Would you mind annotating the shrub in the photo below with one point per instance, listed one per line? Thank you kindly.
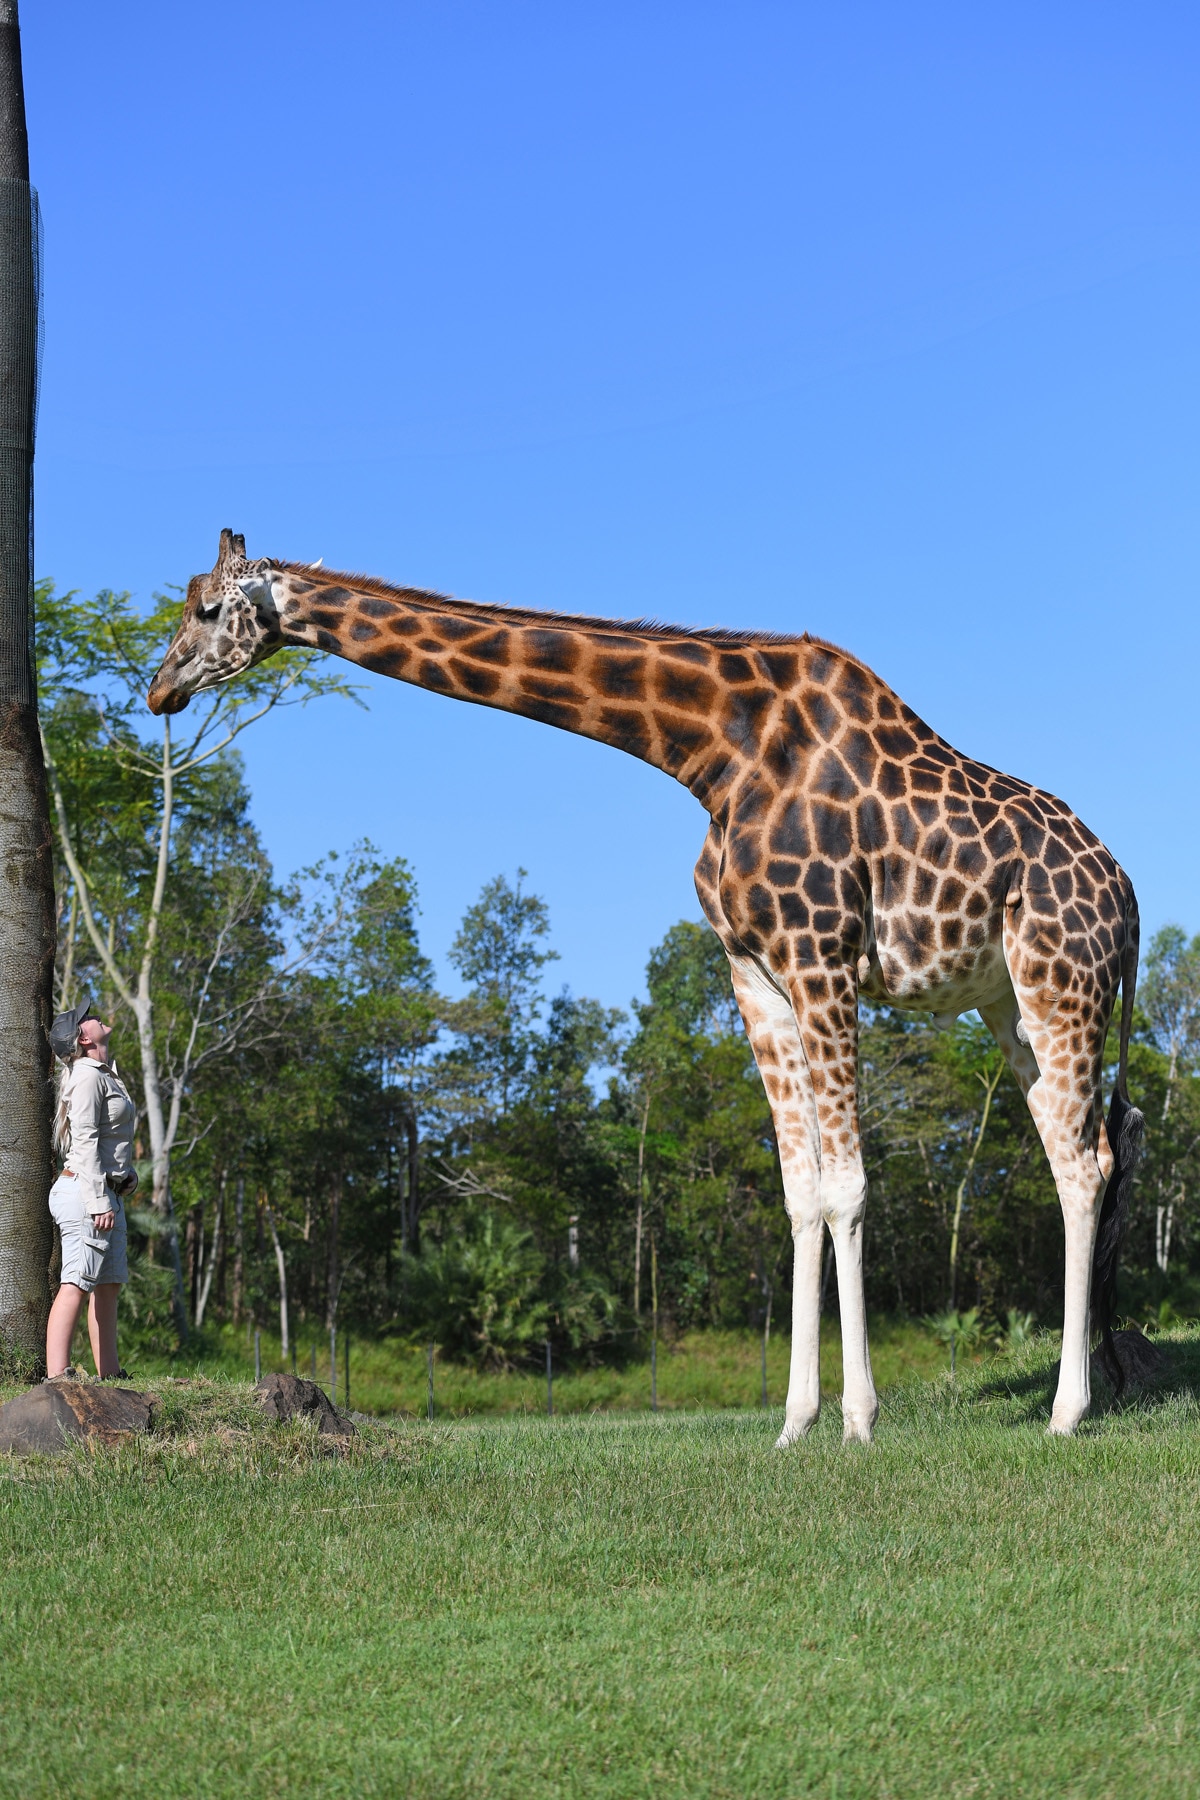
(146, 1316)
(587, 1317)
(476, 1294)
(1019, 1328)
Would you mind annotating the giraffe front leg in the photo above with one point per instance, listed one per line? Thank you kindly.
(804, 1374)
(825, 1005)
(774, 1038)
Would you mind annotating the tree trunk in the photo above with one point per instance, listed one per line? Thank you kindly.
(333, 1283)
(239, 1247)
(414, 1183)
(1164, 1219)
(641, 1195)
(68, 974)
(989, 1082)
(27, 928)
(194, 1241)
(281, 1265)
(223, 1258)
(216, 1255)
(1164, 1225)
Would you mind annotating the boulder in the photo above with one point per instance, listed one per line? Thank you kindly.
(62, 1412)
(1140, 1360)
(291, 1397)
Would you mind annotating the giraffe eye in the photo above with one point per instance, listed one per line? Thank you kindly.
(211, 611)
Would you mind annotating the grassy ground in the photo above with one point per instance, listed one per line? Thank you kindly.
(614, 1606)
(702, 1369)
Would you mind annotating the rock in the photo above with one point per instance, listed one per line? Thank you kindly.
(291, 1397)
(62, 1412)
(1140, 1360)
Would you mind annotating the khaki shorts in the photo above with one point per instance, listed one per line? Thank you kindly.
(90, 1258)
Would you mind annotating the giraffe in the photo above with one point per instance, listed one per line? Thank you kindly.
(852, 854)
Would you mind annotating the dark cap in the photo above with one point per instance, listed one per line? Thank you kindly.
(64, 1033)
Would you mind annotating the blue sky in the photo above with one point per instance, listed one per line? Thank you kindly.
(874, 321)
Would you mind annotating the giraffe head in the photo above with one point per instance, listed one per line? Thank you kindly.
(229, 623)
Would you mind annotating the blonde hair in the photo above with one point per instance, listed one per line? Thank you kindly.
(60, 1136)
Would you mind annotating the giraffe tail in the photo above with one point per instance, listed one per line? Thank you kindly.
(1125, 1127)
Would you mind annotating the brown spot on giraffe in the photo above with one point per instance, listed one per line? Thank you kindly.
(851, 854)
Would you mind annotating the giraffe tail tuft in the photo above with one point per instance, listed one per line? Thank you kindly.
(1125, 1127)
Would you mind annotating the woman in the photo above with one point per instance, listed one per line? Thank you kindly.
(93, 1133)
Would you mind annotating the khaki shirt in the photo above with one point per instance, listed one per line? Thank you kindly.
(101, 1117)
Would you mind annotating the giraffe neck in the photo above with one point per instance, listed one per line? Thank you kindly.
(693, 705)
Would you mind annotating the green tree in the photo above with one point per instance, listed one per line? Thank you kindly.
(703, 1147)
(1170, 1000)
(397, 1016)
(499, 952)
(118, 797)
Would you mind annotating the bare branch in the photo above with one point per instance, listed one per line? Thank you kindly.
(81, 882)
(467, 1186)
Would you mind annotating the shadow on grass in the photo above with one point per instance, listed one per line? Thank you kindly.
(1032, 1390)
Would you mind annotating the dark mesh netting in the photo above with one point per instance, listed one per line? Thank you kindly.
(27, 891)
(19, 310)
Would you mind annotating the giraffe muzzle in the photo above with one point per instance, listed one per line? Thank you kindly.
(165, 697)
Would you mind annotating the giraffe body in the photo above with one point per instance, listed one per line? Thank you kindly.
(852, 854)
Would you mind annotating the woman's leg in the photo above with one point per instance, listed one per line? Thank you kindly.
(102, 1328)
(60, 1326)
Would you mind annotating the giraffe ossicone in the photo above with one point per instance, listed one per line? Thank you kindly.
(852, 854)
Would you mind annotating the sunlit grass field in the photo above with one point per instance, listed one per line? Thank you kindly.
(615, 1605)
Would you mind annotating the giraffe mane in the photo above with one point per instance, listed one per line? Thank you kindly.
(526, 615)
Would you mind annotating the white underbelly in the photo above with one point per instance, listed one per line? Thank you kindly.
(938, 990)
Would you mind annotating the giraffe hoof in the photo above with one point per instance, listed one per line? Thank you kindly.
(1064, 1427)
(859, 1428)
(1065, 1416)
(793, 1431)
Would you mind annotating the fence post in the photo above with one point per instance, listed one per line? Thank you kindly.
(549, 1382)
(333, 1363)
(314, 1365)
(293, 1353)
(346, 1369)
(430, 1362)
(258, 1356)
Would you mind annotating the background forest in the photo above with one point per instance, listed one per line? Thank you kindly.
(327, 1138)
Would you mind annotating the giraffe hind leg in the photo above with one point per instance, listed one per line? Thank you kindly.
(1066, 1032)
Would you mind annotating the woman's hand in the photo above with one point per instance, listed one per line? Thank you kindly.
(104, 1221)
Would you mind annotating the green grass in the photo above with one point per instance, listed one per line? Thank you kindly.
(702, 1369)
(616, 1605)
